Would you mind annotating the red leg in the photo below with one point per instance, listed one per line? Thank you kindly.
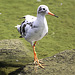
(35, 56)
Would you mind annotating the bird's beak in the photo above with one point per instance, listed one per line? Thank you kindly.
(50, 13)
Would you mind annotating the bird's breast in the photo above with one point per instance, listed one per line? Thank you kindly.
(41, 30)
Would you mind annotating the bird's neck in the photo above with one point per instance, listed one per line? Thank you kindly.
(41, 17)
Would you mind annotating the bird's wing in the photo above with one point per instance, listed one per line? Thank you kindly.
(29, 18)
(27, 24)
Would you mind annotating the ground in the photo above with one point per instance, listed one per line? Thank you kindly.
(15, 59)
(13, 54)
(62, 63)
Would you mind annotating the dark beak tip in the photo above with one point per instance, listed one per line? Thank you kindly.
(56, 16)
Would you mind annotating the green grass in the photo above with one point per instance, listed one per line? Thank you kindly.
(13, 55)
(61, 35)
(61, 30)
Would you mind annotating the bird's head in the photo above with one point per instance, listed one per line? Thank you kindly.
(43, 10)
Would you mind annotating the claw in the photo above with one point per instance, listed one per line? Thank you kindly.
(41, 66)
(36, 62)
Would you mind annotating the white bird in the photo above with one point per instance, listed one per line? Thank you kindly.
(35, 28)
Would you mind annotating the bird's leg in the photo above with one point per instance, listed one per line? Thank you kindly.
(35, 56)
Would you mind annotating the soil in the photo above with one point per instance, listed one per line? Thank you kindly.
(14, 60)
(62, 63)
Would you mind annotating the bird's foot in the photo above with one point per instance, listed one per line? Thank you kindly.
(37, 63)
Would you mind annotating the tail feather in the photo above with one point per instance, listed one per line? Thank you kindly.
(18, 27)
(19, 30)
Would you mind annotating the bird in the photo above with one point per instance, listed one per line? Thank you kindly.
(34, 28)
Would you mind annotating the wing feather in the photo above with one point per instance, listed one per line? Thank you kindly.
(27, 24)
(30, 18)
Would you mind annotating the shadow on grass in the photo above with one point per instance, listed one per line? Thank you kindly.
(6, 65)
(2, 73)
(17, 71)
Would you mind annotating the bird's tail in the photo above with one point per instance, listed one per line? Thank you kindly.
(19, 30)
(18, 27)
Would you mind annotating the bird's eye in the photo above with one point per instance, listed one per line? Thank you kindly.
(43, 8)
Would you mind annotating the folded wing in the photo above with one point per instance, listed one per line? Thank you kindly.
(26, 25)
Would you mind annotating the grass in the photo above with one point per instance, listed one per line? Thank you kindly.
(13, 55)
(61, 35)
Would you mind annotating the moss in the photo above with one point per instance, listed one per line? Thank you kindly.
(13, 54)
